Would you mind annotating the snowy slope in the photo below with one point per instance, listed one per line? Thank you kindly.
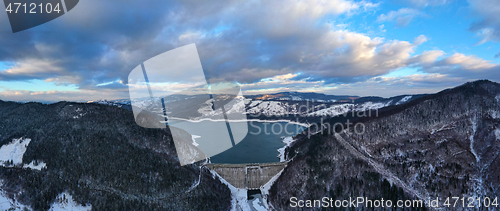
(65, 202)
(14, 151)
(281, 104)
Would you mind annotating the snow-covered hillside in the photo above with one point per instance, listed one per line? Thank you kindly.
(65, 202)
(281, 105)
(12, 154)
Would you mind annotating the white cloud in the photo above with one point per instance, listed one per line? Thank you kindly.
(425, 3)
(420, 39)
(427, 57)
(55, 96)
(393, 86)
(488, 28)
(471, 62)
(486, 34)
(402, 17)
(381, 28)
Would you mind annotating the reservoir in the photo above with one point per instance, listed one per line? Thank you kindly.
(260, 145)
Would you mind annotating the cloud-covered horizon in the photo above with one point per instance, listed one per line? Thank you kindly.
(266, 46)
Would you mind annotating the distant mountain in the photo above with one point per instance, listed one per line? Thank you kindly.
(304, 107)
(302, 96)
(99, 157)
(440, 145)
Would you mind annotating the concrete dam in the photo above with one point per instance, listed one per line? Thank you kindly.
(247, 176)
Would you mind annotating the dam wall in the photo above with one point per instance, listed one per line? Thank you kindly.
(247, 176)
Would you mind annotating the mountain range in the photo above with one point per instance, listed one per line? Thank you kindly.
(416, 147)
(295, 106)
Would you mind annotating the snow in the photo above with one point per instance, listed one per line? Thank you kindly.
(247, 101)
(372, 105)
(195, 184)
(194, 137)
(497, 134)
(288, 141)
(266, 187)
(404, 100)
(40, 166)
(269, 108)
(236, 106)
(254, 103)
(241, 120)
(333, 110)
(9, 204)
(257, 206)
(444, 127)
(474, 128)
(80, 113)
(65, 202)
(238, 196)
(14, 151)
(494, 114)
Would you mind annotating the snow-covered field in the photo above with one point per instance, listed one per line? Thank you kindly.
(14, 152)
(10, 204)
(65, 202)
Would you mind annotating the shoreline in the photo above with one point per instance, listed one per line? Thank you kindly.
(287, 141)
(242, 120)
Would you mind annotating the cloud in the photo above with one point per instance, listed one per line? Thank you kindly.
(420, 39)
(393, 86)
(33, 68)
(465, 67)
(402, 17)
(55, 96)
(427, 57)
(425, 3)
(486, 34)
(468, 62)
(488, 27)
(99, 42)
(282, 83)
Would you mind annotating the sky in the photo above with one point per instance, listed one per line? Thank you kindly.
(339, 47)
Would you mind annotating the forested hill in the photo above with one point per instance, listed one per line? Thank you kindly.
(441, 145)
(99, 155)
